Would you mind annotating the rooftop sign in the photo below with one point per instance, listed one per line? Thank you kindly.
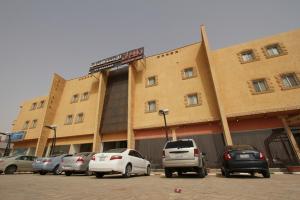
(114, 61)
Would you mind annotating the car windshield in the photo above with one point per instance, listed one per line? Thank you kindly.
(180, 144)
(241, 147)
(121, 150)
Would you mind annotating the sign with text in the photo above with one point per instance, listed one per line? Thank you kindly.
(115, 61)
(17, 136)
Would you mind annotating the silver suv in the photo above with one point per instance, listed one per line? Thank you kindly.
(183, 156)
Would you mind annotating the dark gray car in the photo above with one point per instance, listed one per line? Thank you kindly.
(79, 163)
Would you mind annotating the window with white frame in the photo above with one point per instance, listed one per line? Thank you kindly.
(192, 99)
(69, 120)
(290, 80)
(273, 50)
(151, 106)
(260, 85)
(26, 124)
(42, 103)
(188, 72)
(84, 96)
(247, 56)
(79, 118)
(34, 123)
(151, 81)
(33, 106)
(75, 98)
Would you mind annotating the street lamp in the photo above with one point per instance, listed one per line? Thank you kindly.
(7, 149)
(53, 127)
(164, 112)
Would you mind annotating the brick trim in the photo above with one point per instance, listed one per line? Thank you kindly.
(193, 105)
(194, 73)
(281, 47)
(269, 85)
(254, 53)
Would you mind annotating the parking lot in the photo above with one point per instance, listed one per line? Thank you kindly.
(35, 186)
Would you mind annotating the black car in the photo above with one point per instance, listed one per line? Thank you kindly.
(244, 158)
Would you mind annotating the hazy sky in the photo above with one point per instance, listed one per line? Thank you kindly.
(38, 38)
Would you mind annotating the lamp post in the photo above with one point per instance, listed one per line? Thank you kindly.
(52, 148)
(7, 149)
(164, 112)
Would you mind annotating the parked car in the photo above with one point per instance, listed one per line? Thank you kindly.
(119, 161)
(49, 164)
(183, 156)
(79, 163)
(244, 158)
(12, 164)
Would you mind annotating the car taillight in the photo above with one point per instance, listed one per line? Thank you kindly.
(227, 156)
(261, 156)
(93, 158)
(115, 157)
(80, 159)
(163, 154)
(47, 160)
(196, 152)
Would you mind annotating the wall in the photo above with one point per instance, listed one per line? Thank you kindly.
(171, 88)
(233, 76)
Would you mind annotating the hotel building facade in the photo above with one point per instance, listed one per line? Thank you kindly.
(243, 94)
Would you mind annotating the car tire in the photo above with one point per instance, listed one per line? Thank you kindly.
(56, 170)
(43, 173)
(201, 172)
(179, 173)
(10, 169)
(99, 174)
(266, 174)
(252, 174)
(148, 172)
(88, 173)
(226, 173)
(128, 170)
(68, 173)
(168, 173)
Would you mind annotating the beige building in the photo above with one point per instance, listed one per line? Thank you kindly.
(243, 94)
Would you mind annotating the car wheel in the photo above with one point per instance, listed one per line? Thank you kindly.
(226, 173)
(266, 174)
(222, 172)
(179, 173)
(43, 173)
(201, 172)
(148, 171)
(88, 173)
(10, 169)
(99, 175)
(57, 171)
(168, 173)
(128, 170)
(252, 174)
(68, 173)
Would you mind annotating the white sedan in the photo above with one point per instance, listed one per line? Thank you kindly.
(119, 161)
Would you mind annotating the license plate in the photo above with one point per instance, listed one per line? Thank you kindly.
(179, 156)
(244, 156)
(102, 158)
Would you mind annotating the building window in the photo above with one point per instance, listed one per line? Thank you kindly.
(274, 50)
(188, 73)
(151, 81)
(42, 103)
(79, 118)
(192, 99)
(26, 124)
(248, 56)
(34, 123)
(151, 106)
(69, 120)
(33, 106)
(260, 85)
(84, 96)
(290, 80)
(75, 98)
